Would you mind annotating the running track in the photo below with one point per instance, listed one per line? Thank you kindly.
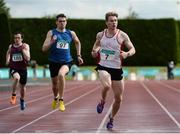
(148, 107)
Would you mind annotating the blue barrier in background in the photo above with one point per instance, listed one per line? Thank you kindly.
(176, 72)
(44, 73)
(125, 72)
(4, 73)
(148, 72)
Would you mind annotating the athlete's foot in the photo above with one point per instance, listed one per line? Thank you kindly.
(54, 103)
(13, 100)
(61, 105)
(22, 104)
(109, 125)
(100, 106)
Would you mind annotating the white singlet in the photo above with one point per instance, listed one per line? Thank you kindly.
(110, 50)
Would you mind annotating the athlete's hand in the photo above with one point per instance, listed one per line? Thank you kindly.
(53, 39)
(24, 47)
(80, 60)
(124, 54)
(94, 54)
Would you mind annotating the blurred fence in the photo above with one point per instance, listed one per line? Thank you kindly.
(89, 74)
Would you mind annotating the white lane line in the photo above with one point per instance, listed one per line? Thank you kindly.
(34, 100)
(161, 105)
(168, 86)
(36, 85)
(18, 129)
(104, 120)
(107, 115)
(29, 84)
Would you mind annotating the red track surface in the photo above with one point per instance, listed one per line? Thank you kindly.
(148, 107)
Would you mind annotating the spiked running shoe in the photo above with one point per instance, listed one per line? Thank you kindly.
(22, 104)
(13, 100)
(100, 107)
(61, 105)
(54, 104)
(109, 125)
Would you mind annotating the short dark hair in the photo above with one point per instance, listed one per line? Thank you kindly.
(60, 15)
(22, 36)
(110, 14)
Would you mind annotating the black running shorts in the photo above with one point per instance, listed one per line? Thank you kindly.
(116, 74)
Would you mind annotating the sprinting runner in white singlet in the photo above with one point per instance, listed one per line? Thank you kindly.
(107, 47)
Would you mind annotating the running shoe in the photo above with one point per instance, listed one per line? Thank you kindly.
(22, 104)
(109, 125)
(100, 107)
(54, 104)
(61, 105)
(13, 100)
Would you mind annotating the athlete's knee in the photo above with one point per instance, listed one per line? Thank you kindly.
(118, 99)
(107, 87)
(23, 88)
(17, 79)
(60, 75)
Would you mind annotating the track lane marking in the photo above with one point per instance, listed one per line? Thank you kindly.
(41, 117)
(107, 114)
(104, 119)
(161, 105)
(41, 85)
(170, 87)
(34, 100)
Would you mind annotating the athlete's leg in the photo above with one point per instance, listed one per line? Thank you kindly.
(118, 88)
(105, 79)
(61, 76)
(54, 81)
(16, 78)
(22, 93)
(22, 85)
(22, 90)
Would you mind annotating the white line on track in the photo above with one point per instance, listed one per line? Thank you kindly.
(104, 120)
(29, 84)
(41, 117)
(161, 105)
(168, 86)
(106, 116)
(34, 100)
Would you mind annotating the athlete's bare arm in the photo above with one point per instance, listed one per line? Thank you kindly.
(26, 51)
(127, 42)
(77, 42)
(48, 41)
(8, 55)
(78, 47)
(96, 46)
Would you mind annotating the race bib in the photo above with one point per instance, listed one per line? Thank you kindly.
(62, 45)
(107, 54)
(17, 57)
